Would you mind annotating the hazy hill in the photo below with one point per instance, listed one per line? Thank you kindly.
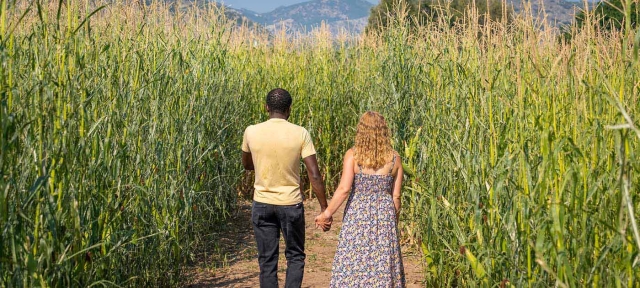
(558, 12)
(351, 15)
(239, 16)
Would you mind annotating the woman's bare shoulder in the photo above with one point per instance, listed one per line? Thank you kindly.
(349, 154)
(349, 159)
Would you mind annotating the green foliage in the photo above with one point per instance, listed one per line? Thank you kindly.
(110, 170)
(416, 13)
(389, 13)
(610, 16)
(120, 144)
(492, 9)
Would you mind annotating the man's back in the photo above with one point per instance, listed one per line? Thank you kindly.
(276, 147)
(273, 149)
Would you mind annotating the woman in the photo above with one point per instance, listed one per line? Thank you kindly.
(368, 253)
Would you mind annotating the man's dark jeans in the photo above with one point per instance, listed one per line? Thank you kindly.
(268, 220)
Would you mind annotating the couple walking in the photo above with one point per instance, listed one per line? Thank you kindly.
(368, 253)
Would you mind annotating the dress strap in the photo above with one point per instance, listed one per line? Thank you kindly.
(359, 168)
(393, 163)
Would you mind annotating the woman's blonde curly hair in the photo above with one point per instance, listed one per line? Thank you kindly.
(373, 141)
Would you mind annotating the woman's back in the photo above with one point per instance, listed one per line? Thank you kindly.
(371, 191)
(368, 253)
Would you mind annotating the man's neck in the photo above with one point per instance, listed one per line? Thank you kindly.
(278, 116)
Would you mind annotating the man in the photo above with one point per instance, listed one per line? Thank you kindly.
(273, 149)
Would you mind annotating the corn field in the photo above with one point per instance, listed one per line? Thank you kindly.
(121, 127)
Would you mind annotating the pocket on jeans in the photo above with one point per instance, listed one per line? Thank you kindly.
(257, 212)
(295, 212)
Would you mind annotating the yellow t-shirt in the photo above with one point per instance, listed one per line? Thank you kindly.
(276, 147)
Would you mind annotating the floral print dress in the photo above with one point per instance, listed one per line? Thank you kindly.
(368, 253)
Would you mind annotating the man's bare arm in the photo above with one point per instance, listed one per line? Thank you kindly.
(247, 161)
(317, 184)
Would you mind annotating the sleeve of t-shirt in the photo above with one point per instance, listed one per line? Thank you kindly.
(307, 145)
(245, 142)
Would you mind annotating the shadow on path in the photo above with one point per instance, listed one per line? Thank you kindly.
(233, 260)
(232, 245)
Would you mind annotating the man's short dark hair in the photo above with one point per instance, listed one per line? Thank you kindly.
(279, 100)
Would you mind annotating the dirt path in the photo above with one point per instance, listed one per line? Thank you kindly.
(238, 267)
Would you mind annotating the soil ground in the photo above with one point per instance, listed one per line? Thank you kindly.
(238, 265)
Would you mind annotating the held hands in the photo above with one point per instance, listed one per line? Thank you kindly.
(324, 221)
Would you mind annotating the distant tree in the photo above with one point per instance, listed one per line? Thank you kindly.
(389, 12)
(609, 15)
(491, 8)
(416, 13)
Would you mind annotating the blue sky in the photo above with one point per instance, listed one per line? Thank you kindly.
(262, 6)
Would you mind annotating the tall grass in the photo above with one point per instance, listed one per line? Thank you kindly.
(115, 146)
(121, 132)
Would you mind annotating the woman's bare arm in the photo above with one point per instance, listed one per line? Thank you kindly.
(346, 180)
(397, 185)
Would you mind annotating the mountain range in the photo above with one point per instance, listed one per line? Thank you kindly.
(339, 15)
(557, 12)
(350, 16)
